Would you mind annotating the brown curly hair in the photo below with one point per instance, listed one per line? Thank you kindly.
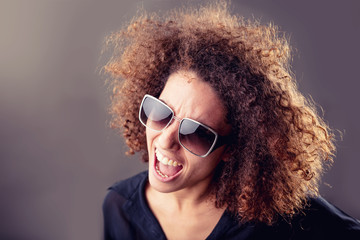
(280, 144)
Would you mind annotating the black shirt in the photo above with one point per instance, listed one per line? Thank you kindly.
(128, 216)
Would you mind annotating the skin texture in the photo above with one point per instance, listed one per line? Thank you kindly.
(281, 144)
(184, 201)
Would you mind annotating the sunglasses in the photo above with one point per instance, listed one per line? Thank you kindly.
(194, 136)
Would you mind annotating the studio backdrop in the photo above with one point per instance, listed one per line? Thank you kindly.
(57, 153)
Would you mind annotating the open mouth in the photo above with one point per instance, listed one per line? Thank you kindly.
(166, 168)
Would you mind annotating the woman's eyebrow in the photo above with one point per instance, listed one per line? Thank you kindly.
(163, 101)
(209, 124)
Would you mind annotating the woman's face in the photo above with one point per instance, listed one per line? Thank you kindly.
(193, 98)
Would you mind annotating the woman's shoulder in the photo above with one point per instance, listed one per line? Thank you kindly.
(320, 209)
(318, 220)
(127, 187)
(322, 220)
(321, 212)
(118, 222)
(122, 191)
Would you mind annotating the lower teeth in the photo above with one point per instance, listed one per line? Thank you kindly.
(160, 173)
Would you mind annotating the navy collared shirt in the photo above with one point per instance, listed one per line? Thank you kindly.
(128, 216)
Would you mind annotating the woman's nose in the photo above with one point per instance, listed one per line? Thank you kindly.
(168, 138)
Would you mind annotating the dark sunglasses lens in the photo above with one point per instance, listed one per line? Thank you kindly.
(154, 114)
(195, 137)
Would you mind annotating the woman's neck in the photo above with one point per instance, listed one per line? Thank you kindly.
(184, 213)
(181, 200)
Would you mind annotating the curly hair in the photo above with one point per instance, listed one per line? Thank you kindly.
(281, 145)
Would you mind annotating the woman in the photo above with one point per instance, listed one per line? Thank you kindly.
(234, 150)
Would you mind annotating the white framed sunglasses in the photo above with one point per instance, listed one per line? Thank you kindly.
(194, 136)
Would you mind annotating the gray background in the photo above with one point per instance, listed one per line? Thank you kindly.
(57, 154)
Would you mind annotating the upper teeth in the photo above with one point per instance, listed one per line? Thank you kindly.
(166, 160)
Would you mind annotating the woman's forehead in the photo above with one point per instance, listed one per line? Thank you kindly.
(191, 97)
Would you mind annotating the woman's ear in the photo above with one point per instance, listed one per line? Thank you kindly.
(226, 154)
